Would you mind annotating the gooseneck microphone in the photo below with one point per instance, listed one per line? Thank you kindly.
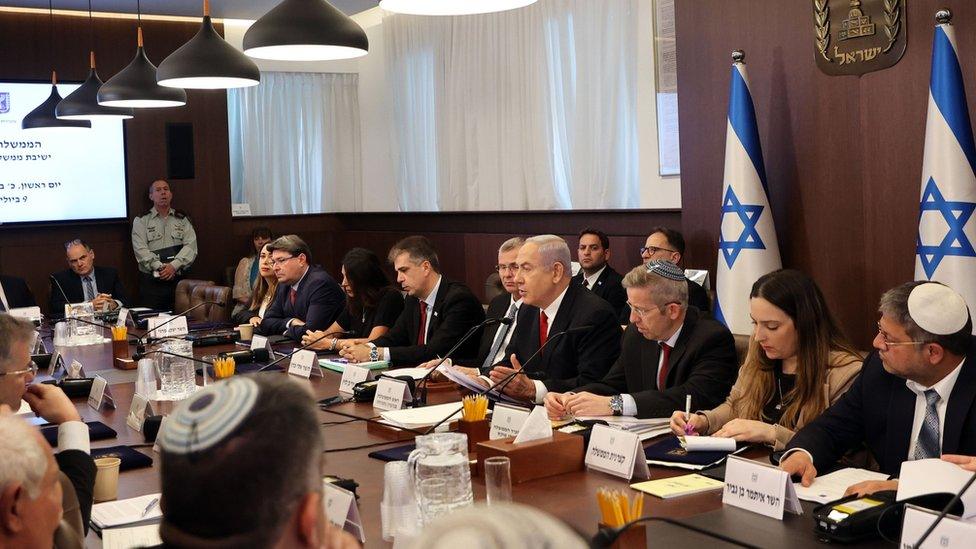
(60, 289)
(945, 511)
(487, 322)
(302, 348)
(139, 356)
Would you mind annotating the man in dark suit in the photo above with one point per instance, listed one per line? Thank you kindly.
(15, 293)
(557, 305)
(307, 298)
(437, 312)
(597, 275)
(668, 244)
(669, 351)
(496, 337)
(83, 281)
(915, 398)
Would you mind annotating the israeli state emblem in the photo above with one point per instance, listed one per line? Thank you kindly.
(4, 102)
(854, 37)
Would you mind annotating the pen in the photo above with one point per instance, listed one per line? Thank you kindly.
(688, 428)
(152, 505)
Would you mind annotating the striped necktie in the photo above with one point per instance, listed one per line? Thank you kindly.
(500, 335)
(927, 445)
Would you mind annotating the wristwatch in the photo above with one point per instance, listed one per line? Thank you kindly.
(617, 405)
(374, 353)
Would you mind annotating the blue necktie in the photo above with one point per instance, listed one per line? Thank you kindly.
(89, 290)
(499, 339)
(927, 445)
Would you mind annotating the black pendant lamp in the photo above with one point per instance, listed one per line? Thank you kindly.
(82, 104)
(135, 85)
(43, 115)
(305, 30)
(208, 62)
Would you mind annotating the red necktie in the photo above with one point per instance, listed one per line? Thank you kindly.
(543, 328)
(662, 372)
(422, 336)
(293, 295)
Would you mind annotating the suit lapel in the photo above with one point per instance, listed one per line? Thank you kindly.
(601, 281)
(435, 317)
(681, 346)
(960, 402)
(901, 412)
(650, 356)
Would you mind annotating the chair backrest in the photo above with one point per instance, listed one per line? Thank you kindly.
(493, 287)
(741, 347)
(213, 293)
(184, 289)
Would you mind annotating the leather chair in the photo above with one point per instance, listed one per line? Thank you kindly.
(184, 290)
(741, 347)
(493, 287)
(212, 313)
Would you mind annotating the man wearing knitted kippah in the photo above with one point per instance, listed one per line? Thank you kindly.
(668, 351)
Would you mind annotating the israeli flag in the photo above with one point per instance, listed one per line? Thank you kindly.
(946, 231)
(747, 246)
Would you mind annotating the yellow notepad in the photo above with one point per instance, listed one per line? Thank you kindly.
(667, 488)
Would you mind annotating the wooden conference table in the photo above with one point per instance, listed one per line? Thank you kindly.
(570, 497)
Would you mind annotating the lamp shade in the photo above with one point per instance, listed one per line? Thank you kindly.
(451, 7)
(305, 30)
(135, 86)
(207, 61)
(82, 104)
(44, 117)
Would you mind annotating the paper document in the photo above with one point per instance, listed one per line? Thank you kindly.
(420, 417)
(707, 444)
(645, 429)
(136, 536)
(931, 476)
(830, 487)
(416, 373)
(124, 511)
(473, 385)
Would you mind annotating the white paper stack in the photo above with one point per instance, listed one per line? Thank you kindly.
(412, 418)
(125, 512)
(830, 487)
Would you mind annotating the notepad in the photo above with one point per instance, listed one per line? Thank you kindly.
(124, 512)
(667, 488)
(136, 536)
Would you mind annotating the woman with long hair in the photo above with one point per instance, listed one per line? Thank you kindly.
(798, 363)
(246, 275)
(263, 293)
(372, 304)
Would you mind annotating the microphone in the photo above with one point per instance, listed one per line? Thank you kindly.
(174, 317)
(139, 356)
(606, 536)
(487, 322)
(60, 289)
(246, 356)
(303, 347)
(945, 511)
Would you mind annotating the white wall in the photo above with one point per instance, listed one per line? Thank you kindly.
(376, 133)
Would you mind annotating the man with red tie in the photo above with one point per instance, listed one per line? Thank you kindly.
(307, 298)
(437, 312)
(585, 324)
(669, 351)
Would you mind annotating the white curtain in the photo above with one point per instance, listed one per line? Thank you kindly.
(530, 109)
(295, 144)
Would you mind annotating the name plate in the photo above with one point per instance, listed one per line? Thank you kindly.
(351, 375)
(759, 488)
(506, 421)
(616, 453)
(159, 434)
(951, 533)
(303, 364)
(100, 394)
(342, 511)
(261, 342)
(138, 410)
(76, 370)
(123, 316)
(391, 394)
(160, 326)
(56, 365)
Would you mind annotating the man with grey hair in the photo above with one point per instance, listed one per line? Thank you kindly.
(669, 351)
(84, 281)
(30, 491)
(584, 323)
(915, 397)
(262, 489)
(307, 298)
(437, 312)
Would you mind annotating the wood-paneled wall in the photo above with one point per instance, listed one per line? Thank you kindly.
(843, 154)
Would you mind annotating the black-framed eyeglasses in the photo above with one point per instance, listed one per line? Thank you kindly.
(651, 250)
(31, 369)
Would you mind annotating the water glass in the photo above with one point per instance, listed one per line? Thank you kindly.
(177, 376)
(498, 480)
(146, 379)
(435, 499)
(398, 510)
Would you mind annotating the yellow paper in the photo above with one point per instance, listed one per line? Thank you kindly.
(684, 485)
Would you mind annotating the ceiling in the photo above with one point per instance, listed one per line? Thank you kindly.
(225, 9)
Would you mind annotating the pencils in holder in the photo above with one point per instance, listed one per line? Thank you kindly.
(616, 509)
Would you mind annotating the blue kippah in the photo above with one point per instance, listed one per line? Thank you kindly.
(665, 269)
(209, 416)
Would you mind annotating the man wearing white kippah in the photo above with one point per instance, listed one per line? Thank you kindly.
(914, 398)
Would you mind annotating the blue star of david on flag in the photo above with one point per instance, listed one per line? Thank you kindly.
(749, 238)
(955, 242)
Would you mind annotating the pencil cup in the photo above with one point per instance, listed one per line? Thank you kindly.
(477, 431)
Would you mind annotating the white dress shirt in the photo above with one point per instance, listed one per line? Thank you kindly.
(591, 280)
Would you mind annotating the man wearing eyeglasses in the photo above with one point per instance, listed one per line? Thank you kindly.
(596, 274)
(915, 397)
(669, 351)
(307, 298)
(668, 244)
(17, 371)
(83, 281)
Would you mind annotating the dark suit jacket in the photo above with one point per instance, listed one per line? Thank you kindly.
(498, 308)
(106, 282)
(702, 364)
(878, 410)
(574, 359)
(456, 310)
(17, 292)
(318, 303)
(79, 467)
(608, 286)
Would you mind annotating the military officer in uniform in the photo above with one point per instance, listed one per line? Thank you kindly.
(165, 246)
